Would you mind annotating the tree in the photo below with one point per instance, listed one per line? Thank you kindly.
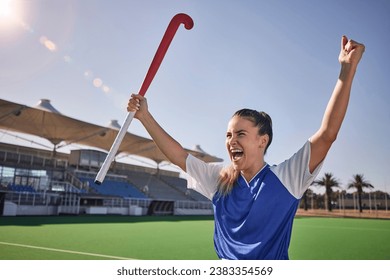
(359, 183)
(308, 193)
(328, 181)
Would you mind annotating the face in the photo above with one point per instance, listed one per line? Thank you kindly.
(245, 146)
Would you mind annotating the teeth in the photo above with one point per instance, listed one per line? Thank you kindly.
(237, 153)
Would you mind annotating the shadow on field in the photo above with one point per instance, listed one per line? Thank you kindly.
(94, 219)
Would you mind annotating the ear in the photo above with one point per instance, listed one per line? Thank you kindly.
(263, 141)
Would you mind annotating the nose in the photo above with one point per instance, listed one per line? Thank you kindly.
(232, 140)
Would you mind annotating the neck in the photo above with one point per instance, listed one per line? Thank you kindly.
(250, 174)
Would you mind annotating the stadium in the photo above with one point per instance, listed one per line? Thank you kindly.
(43, 182)
(280, 57)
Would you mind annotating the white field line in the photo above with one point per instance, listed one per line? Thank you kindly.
(344, 228)
(64, 251)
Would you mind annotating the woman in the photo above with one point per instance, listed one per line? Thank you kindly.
(255, 203)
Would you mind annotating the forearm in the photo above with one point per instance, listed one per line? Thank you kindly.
(350, 54)
(168, 146)
(338, 103)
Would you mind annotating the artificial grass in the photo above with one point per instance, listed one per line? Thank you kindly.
(171, 237)
(340, 239)
(179, 238)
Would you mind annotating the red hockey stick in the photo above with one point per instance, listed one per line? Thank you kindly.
(158, 57)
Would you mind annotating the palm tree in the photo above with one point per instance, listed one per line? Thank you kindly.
(328, 181)
(359, 183)
(308, 193)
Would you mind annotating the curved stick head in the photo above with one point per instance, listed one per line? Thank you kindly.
(185, 19)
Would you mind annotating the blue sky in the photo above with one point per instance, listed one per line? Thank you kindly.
(276, 56)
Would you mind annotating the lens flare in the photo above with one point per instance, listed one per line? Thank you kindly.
(10, 13)
(49, 44)
(106, 89)
(6, 9)
(97, 82)
(88, 75)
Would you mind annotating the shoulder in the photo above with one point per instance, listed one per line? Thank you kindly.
(294, 172)
(202, 176)
(194, 165)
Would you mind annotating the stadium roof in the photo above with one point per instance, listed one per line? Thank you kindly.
(47, 122)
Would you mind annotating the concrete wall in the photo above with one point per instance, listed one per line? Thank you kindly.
(11, 209)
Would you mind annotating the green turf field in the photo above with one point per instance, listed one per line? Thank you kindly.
(175, 237)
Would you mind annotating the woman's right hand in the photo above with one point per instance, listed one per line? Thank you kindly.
(137, 103)
(167, 145)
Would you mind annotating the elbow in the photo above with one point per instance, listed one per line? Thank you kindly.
(179, 160)
(329, 136)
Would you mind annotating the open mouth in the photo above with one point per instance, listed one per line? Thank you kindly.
(237, 154)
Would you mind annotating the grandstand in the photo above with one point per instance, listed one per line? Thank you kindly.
(43, 182)
(39, 182)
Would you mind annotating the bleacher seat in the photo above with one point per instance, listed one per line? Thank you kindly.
(154, 186)
(21, 188)
(157, 188)
(116, 188)
(181, 185)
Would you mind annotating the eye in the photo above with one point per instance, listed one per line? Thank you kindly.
(228, 135)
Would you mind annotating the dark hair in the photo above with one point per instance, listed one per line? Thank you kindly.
(264, 123)
(260, 119)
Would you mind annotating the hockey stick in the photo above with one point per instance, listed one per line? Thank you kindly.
(158, 57)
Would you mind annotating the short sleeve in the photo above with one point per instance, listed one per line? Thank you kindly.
(294, 173)
(202, 177)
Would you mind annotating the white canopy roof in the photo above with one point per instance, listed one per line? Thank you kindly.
(47, 122)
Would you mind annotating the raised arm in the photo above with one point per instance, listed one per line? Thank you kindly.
(168, 146)
(350, 54)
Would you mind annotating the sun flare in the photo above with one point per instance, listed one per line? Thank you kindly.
(11, 16)
(6, 9)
